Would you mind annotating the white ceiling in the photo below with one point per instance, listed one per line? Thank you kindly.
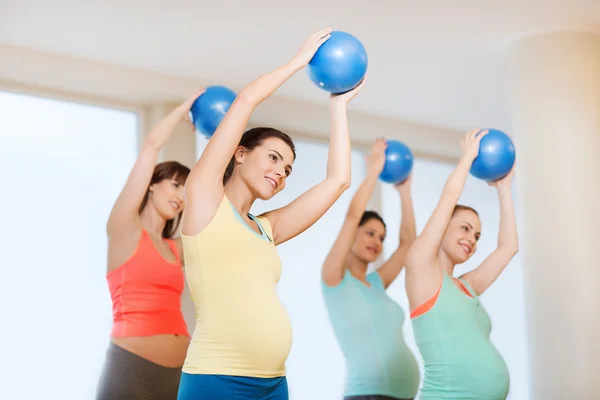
(435, 62)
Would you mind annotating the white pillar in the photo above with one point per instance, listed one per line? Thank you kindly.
(555, 83)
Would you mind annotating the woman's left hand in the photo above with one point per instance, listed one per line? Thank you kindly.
(506, 181)
(345, 98)
(404, 186)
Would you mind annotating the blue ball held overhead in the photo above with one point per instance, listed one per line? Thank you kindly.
(398, 162)
(339, 65)
(496, 156)
(208, 110)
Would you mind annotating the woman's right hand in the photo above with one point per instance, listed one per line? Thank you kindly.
(470, 143)
(186, 106)
(376, 158)
(310, 47)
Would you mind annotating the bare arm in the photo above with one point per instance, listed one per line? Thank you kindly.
(299, 215)
(425, 248)
(508, 242)
(333, 266)
(408, 233)
(204, 186)
(124, 214)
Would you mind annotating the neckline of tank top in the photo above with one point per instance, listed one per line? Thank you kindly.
(174, 263)
(263, 234)
(469, 296)
(361, 283)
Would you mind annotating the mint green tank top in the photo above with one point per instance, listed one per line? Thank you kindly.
(368, 326)
(453, 338)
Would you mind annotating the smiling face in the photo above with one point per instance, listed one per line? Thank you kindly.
(460, 240)
(368, 243)
(266, 167)
(167, 198)
(165, 194)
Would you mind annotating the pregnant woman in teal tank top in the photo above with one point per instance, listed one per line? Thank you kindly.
(451, 327)
(367, 323)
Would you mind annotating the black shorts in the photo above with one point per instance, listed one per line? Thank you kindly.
(127, 376)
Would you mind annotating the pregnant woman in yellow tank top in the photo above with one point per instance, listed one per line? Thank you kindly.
(243, 334)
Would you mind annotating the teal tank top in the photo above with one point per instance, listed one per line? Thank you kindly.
(368, 326)
(453, 338)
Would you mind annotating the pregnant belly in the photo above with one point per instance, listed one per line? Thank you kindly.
(477, 373)
(264, 335)
(383, 366)
(247, 337)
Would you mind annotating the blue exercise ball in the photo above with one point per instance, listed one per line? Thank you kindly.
(208, 110)
(398, 162)
(339, 65)
(496, 156)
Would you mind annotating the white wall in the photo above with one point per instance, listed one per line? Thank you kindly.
(504, 301)
(63, 165)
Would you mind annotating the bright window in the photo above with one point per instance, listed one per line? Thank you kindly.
(63, 166)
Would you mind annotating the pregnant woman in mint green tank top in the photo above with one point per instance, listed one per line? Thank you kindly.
(367, 323)
(451, 327)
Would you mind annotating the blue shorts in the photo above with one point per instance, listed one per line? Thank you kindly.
(218, 387)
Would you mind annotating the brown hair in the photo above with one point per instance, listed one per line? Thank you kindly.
(460, 207)
(253, 138)
(369, 215)
(162, 171)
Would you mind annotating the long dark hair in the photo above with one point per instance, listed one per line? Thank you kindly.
(253, 138)
(369, 215)
(167, 170)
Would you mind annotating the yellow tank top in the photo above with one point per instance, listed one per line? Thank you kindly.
(242, 327)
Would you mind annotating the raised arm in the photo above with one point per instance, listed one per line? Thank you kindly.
(426, 246)
(124, 215)
(333, 267)
(508, 242)
(204, 186)
(408, 233)
(299, 215)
